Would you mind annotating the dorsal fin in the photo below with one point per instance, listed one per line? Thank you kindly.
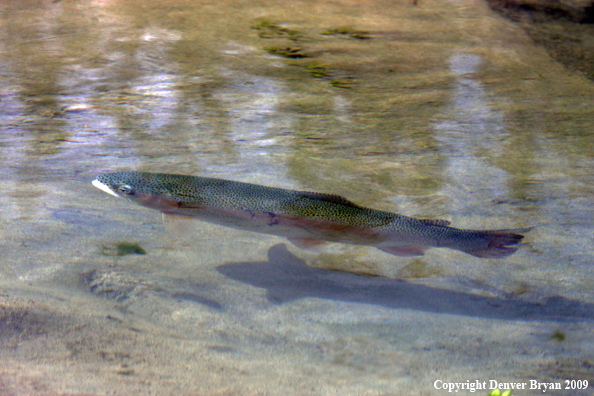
(337, 199)
(437, 222)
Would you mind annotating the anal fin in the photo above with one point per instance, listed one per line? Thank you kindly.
(404, 251)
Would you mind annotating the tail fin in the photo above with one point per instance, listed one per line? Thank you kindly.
(495, 243)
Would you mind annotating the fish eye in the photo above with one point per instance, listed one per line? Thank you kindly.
(126, 189)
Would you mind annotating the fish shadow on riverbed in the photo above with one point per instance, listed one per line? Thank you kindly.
(288, 278)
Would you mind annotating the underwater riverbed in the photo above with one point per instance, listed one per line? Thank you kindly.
(436, 109)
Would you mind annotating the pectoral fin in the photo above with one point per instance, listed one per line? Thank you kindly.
(180, 226)
(310, 244)
(404, 251)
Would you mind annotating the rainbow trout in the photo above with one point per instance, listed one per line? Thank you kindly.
(304, 218)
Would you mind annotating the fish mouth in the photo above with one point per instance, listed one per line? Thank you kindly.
(103, 187)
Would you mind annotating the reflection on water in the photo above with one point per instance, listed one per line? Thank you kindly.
(435, 110)
(254, 122)
(473, 135)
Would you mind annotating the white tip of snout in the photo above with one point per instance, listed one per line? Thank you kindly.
(103, 187)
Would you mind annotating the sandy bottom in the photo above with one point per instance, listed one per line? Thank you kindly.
(277, 326)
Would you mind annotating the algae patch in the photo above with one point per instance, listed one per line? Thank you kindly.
(125, 370)
(273, 30)
(317, 70)
(270, 30)
(558, 335)
(122, 249)
(497, 392)
(347, 32)
(346, 82)
(288, 52)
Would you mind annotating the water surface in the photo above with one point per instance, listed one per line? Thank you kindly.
(439, 110)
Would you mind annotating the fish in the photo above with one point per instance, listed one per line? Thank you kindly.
(306, 219)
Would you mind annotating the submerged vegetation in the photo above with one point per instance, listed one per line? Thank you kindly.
(558, 335)
(269, 30)
(273, 30)
(317, 70)
(288, 52)
(346, 82)
(497, 392)
(122, 249)
(347, 32)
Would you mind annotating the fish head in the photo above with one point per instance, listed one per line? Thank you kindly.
(119, 184)
(146, 189)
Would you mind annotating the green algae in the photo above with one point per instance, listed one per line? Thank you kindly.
(317, 70)
(346, 82)
(497, 392)
(122, 249)
(270, 30)
(558, 335)
(288, 52)
(347, 32)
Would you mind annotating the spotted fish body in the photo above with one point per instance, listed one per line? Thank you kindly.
(305, 218)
